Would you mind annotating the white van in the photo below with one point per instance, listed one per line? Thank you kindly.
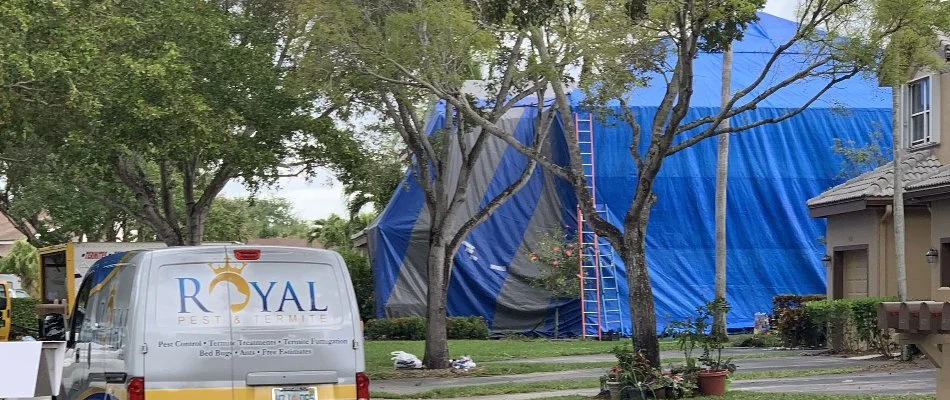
(215, 322)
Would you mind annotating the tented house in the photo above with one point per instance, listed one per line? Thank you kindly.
(773, 246)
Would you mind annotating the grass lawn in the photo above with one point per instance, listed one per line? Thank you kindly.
(487, 353)
(549, 386)
(379, 363)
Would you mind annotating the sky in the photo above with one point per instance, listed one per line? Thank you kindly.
(321, 195)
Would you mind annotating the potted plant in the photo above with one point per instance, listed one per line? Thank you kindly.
(712, 378)
(637, 376)
(613, 382)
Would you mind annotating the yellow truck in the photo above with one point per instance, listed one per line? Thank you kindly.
(63, 266)
(6, 293)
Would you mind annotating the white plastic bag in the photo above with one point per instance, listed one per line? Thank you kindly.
(403, 360)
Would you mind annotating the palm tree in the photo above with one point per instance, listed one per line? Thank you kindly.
(722, 176)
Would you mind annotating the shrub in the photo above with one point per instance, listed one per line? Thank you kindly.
(760, 341)
(834, 317)
(468, 328)
(362, 277)
(414, 328)
(794, 328)
(851, 324)
(410, 328)
(23, 317)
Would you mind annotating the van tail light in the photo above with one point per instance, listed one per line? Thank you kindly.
(362, 386)
(247, 254)
(136, 388)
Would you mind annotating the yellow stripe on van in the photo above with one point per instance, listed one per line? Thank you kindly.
(324, 392)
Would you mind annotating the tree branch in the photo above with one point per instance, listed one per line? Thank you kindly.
(716, 131)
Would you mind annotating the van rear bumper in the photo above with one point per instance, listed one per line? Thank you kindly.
(324, 392)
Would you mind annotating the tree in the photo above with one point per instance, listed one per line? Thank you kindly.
(556, 256)
(722, 178)
(22, 262)
(373, 51)
(623, 43)
(176, 98)
(858, 160)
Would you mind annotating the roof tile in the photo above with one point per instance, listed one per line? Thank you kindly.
(879, 183)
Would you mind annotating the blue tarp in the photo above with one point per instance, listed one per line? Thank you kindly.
(773, 246)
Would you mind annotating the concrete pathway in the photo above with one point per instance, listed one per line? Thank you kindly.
(418, 385)
(669, 354)
(904, 382)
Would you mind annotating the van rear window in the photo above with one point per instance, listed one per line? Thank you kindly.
(253, 294)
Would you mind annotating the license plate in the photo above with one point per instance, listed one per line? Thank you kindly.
(300, 393)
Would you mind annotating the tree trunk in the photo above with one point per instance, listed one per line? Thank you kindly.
(437, 344)
(642, 311)
(898, 130)
(196, 227)
(557, 320)
(722, 178)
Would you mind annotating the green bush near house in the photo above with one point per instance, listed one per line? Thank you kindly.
(414, 328)
(795, 330)
(362, 277)
(850, 324)
(23, 317)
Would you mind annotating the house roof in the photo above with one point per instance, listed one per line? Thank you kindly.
(941, 178)
(879, 184)
(8, 232)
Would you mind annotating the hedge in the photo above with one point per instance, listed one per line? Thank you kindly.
(850, 324)
(794, 328)
(362, 277)
(414, 328)
(24, 319)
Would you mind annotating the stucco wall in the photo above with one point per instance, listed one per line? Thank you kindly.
(939, 228)
(917, 233)
(858, 228)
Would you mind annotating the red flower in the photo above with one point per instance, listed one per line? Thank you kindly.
(568, 253)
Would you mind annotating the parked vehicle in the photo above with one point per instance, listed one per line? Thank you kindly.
(214, 322)
(5, 308)
(62, 267)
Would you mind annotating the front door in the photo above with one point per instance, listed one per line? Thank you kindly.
(855, 274)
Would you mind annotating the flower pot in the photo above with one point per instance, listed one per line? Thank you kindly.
(614, 389)
(665, 393)
(713, 383)
(633, 393)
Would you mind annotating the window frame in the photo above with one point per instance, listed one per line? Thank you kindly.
(927, 137)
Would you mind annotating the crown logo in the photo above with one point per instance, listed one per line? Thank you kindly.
(227, 268)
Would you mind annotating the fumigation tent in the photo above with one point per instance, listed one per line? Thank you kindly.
(773, 246)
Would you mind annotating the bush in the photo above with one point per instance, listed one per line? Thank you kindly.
(794, 328)
(760, 341)
(23, 317)
(362, 277)
(468, 328)
(850, 324)
(414, 328)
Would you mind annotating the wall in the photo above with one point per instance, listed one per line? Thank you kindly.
(939, 228)
(857, 228)
(917, 233)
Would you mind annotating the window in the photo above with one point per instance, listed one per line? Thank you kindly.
(917, 105)
(79, 321)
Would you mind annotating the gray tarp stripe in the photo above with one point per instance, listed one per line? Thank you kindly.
(408, 296)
